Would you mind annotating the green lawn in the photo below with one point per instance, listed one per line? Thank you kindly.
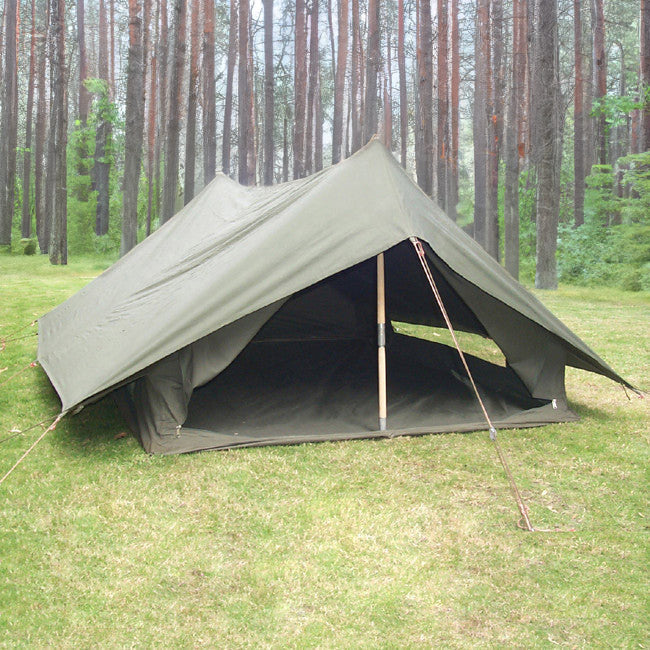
(399, 543)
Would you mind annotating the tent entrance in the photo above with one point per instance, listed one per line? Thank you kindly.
(298, 391)
(310, 372)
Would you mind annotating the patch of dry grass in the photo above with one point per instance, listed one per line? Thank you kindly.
(397, 543)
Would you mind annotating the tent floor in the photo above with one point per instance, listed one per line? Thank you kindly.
(300, 391)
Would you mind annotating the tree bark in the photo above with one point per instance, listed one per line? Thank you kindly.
(645, 73)
(314, 134)
(452, 200)
(112, 59)
(269, 94)
(578, 120)
(388, 95)
(318, 124)
(481, 50)
(512, 142)
(424, 144)
(3, 27)
(330, 24)
(285, 151)
(58, 248)
(102, 165)
(151, 122)
(9, 128)
(84, 95)
(300, 91)
(209, 95)
(162, 65)
(134, 130)
(373, 59)
(190, 127)
(443, 104)
(401, 66)
(41, 138)
(246, 130)
(50, 162)
(546, 108)
(175, 101)
(356, 86)
(26, 221)
(600, 76)
(339, 84)
(227, 114)
(495, 125)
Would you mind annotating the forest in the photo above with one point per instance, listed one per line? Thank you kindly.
(528, 121)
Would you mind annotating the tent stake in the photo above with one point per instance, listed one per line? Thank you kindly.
(381, 341)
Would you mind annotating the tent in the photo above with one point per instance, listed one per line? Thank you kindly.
(250, 319)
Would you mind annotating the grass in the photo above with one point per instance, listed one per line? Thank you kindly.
(410, 542)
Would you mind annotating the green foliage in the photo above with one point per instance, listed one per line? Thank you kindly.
(615, 108)
(636, 174)
(601, 253)
(82, 198)
(29, 246)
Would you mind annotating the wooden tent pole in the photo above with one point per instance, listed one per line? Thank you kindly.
(381, 341)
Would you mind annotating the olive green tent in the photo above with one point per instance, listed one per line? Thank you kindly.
(250, 318)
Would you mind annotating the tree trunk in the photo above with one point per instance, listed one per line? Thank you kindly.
(481, 50)
(41, 138)
(161, 129)
(318, 125)
(300, 91)
(3, 27)
(311, 95)
(546, 107)
(151, 123)
(246, 130)
(269, 94)
(285, 151)
(190, 129)
(424, 152)
(401, 66)
(314, 137)
(84, 95)
(373, 59)
(452, 200)
(175, 101)
(134, 130)
(9, 127)
(443, 104)
(645, 73)
(26, 222)
(102, 165)
(50, 162)
(600, 76)
(209, 95)
(512, 154)
(227, 114)
(495, 125)
(356, 86)
(578, 121)
(58, 248)
(388, 95)
(330, 24)
(339, 84)
(524, 82)
(112, 59)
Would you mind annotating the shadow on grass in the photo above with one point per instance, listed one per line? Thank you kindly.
(586, 411)
(94, 432)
